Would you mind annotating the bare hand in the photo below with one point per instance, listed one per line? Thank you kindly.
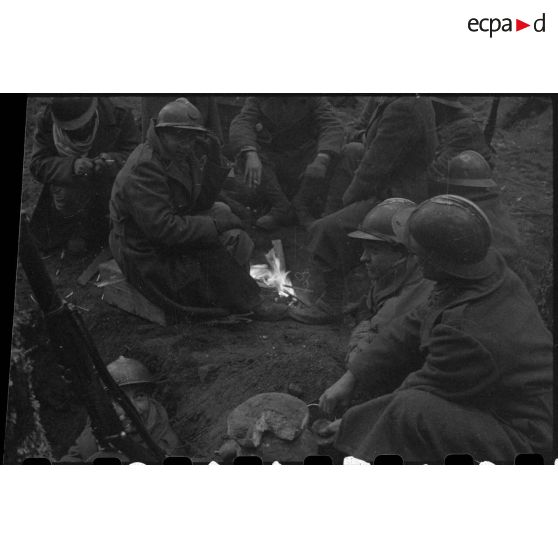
(338, 394)
(83, 166)
(101, 166)
(252, 170)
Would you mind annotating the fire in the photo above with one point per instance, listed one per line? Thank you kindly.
(271, 275)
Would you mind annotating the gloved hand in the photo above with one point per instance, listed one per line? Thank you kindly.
(83, 166)
(252, 170)
(227, 222)
(317, 169)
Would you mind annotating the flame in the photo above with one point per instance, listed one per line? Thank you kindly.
(271, 275)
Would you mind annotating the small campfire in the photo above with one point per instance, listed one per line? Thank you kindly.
(274, 275)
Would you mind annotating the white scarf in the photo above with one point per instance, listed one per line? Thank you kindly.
(72, 148)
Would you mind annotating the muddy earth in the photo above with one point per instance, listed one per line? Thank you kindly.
(205, 370)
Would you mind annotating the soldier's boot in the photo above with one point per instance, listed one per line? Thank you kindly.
(327, 308)
(268, 311)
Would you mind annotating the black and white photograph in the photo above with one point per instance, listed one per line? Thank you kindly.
(282, 278)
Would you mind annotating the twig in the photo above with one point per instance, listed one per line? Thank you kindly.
(300, 300)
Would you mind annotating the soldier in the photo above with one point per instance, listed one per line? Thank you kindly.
(206, 104)
(287, 146)
(80, 144)
(137, 383)
(397, 284)
(457, 131)
(173, 242)
(474, 363)
(399, 146)
(469, 175)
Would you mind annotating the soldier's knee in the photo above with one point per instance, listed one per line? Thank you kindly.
(415, 405)
(70, 201)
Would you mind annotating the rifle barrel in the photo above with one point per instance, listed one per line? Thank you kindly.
(79, 355)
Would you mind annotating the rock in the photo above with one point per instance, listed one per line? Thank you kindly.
(280, 414)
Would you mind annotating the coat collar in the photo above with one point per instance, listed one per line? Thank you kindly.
(450, 294)
(406, 272)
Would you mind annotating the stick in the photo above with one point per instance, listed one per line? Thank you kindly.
(279, 252)
(92, 268)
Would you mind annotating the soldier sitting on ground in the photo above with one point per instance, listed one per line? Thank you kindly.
(469, 175)
(474, 363)
(397, 284)
(287, 147)
(174, 243)
(80, 144)
(399, 146)
(137, 383)
(457, 130)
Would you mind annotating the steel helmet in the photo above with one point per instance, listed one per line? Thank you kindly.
(471, 170)
(453, 231)
(376, 225)
(128, 371)
(180, 113)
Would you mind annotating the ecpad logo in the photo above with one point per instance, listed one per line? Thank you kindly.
(493, 25)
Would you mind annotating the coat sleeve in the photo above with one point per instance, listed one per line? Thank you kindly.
(361, 337)
(47, 166)
(390, 355)
(397, 132)
(331, 133)
(242, 132)
(127, 140)
(457, 365)
(152, 210)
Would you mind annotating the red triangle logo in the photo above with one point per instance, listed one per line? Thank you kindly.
(519, 25)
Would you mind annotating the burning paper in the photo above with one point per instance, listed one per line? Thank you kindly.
(272, 275)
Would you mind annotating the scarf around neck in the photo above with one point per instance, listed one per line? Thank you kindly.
(73, 148)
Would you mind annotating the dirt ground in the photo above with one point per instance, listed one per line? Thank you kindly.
(243, 360)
